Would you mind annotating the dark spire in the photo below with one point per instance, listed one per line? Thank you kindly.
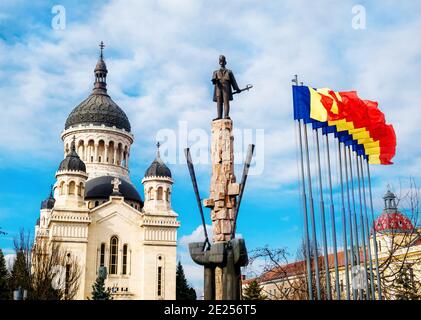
(158, 167)
(73, 147)
(49, 202)
(158, 156)
(72, 161)
(100, 86)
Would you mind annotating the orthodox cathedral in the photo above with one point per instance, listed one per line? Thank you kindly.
(95, 212)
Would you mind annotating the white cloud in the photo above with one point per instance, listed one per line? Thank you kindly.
(163, 54)
(198, 235)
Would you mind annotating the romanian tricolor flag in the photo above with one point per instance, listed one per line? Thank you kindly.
(355, 122)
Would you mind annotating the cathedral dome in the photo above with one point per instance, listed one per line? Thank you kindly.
(391, 220)
(72, 162)
(102, 188)
(49, 202)
(99, 108)
(158, 168)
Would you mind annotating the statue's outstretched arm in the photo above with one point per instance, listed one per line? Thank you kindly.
(234, 82)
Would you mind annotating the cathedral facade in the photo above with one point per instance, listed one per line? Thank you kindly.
(95, 213)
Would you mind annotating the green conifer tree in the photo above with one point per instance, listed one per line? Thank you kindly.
(98, 289)
(4, 278)
(20, 276)
(253, 292)
(183, 290)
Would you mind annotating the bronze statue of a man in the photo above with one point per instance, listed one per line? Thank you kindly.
(224, 81)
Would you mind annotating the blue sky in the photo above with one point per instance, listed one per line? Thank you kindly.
(160, 55)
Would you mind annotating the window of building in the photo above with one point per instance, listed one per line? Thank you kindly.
(125, 259)
(160, 193)
(62, 188)
(67, 279)
(113, 255)
(159, 282)
(380, 245)
(80, 189)
(102, 255)
(72, 187)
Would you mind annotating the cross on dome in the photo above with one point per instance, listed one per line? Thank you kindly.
(158, 155)
(101, 46)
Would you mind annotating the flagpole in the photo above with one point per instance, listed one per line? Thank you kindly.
(367, 290)
(354, 216)
(322, 208)
(345, 240)
(376, 253)
(351, 229)
(332, 219)
(367, 231)
(304, 198)
(306, 231)
(312, 219)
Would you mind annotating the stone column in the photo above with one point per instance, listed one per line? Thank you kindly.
(85, 151)
(223, 188)
(105, 160)
(96, 153)
(120, 162)
(115, 155)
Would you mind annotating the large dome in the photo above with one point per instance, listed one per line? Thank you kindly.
(102, 188)
(99, 108)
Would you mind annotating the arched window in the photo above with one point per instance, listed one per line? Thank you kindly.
(113, 255)
(150, 194)
(380, 245)
(160, 192)
(167, 194)
(102, 255)
(80, 189)
(72, 187)
(96, 203)
(125, 259)
(62, 188)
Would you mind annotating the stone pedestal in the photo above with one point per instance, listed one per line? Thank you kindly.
(223, 187)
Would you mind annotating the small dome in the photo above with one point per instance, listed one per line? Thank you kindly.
(393, 222)
(102, 188)
(49, 202)
(101, 66)
(72, 162)
(158, 168)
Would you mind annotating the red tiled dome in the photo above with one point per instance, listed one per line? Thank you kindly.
(395, 222)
